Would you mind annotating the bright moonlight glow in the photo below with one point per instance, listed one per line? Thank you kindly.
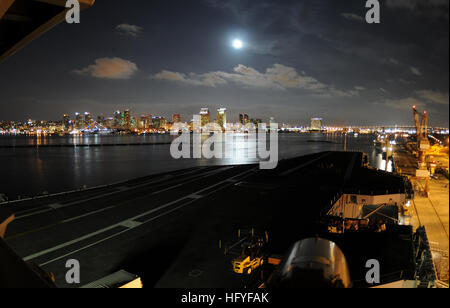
(237, 44)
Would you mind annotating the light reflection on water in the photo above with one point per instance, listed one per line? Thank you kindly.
(28, 171)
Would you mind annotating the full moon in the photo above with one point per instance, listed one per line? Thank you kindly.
(237, 44)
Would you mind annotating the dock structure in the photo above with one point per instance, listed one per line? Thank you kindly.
(429, 209)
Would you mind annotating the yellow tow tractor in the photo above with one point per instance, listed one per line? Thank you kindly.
(252, 255)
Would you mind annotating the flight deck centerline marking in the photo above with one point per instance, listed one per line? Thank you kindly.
(118, 191)
(33, 214)
(56, 224)
(90, 189)
(87, 214)
(195, 196)
(87, 236)
(193, 179)
(133, 227)
(30, 231)
(147, 221)
(305, 164)
(55, 206)
(111, 186)
(130, 224)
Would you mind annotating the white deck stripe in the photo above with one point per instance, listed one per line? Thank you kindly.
(34, 213)
(87, 214)
(304, 165)
(136, 224)
(121, 224)
(165, 177)
(121, 190)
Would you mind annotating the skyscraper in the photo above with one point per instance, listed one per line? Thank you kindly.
(101, 120)
(222, 117)
(163, 122)
(244, 119)
(78, 121)
(144, 123)
(66, 122)
(117, 122)
(87, 119)
(127, 119)
(316, 124)
(176, 118)
(205, 116)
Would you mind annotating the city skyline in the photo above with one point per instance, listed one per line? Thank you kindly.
(125, 121)
(236, 118)
(296, 60)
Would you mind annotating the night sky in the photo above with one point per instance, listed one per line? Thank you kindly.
(300, 59)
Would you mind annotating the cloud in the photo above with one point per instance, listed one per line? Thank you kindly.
(129, 30)
(207, 80)
(352, 17)
(110, 68)
(422, 100)
(416, 71)
(404, 103)
(429, 8)
(434, 97)
(278, 76)
(416, 4)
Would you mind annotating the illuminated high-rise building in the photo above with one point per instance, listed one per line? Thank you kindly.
(109, 122)
(244, 119)
(156, 122)
(316, 124)
(176, 118)
(222, 117)
(78, 121)
(144, 123)
(101, 120)
(134, 123)
(117, 122)
(66, 122)
(126, 119)
(87, 119)
(163, 122)
(205, 116)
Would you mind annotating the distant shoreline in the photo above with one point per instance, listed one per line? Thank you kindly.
(81, 145)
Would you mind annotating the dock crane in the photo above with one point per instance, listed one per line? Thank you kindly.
(423, 144)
